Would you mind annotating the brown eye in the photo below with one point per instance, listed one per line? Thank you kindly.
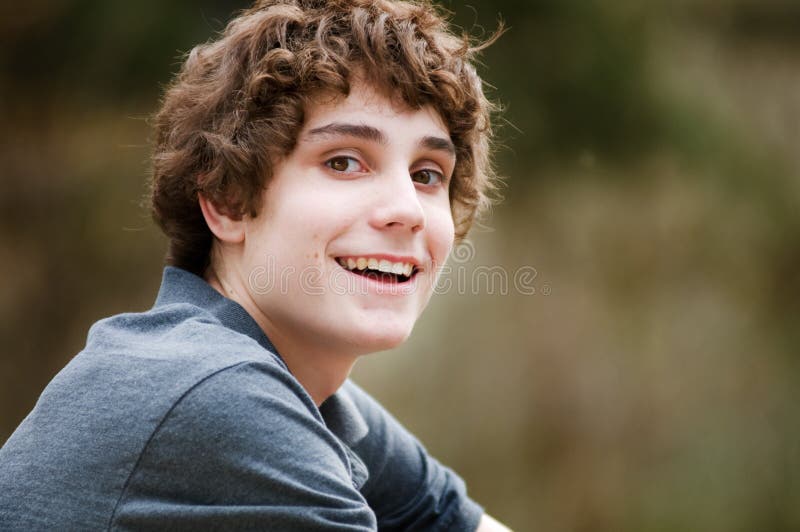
(427, 177)
(343, 164)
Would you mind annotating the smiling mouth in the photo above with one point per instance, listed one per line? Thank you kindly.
(379, 269)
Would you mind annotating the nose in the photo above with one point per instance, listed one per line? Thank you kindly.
(399, 207)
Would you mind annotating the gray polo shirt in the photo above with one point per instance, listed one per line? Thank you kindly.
(184, 417)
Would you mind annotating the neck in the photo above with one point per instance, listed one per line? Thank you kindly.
(321, 372)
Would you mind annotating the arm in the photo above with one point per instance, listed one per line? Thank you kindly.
(407, 488)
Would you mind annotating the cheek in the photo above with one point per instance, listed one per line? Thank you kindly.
(441, 231)
(309, 219)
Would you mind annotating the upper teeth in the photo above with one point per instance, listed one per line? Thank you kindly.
(381, 265)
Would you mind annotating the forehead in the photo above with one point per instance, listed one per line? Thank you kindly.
(366, 105)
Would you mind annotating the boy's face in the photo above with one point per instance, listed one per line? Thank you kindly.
(367, 185)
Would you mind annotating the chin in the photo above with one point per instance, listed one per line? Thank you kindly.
(381, 339)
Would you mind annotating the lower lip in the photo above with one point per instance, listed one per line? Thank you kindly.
(372, 284)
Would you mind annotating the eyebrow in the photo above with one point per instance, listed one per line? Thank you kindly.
(373, 134)
(438, 144)
(359, 131)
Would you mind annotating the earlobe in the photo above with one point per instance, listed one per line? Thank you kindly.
(225, 227)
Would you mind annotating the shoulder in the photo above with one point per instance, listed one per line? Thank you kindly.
(201, 381)
(168, 415)
(173, 332)
(243, 440)
(247, 397)
(169, 349)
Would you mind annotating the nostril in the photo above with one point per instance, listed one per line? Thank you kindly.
(414, 228)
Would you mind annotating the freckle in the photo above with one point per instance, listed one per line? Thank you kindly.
(316, 255)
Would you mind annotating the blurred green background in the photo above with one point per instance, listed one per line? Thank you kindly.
(652, 380)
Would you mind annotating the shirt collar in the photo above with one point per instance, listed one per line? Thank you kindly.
(343, 417)
(181, 286)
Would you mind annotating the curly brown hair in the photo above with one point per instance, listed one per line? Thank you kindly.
(237, 105)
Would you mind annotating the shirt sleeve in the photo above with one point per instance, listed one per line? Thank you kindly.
(243, 450)
(407, 488)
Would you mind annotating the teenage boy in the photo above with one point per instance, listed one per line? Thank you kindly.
(312, 169)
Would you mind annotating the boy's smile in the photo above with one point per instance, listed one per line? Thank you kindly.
(382, 268)
(356, 221)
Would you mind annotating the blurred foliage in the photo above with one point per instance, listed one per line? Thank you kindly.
(651, 383)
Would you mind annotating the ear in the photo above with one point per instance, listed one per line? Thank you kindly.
(226, 228)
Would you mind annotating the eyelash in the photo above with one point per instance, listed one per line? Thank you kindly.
(440, 178)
